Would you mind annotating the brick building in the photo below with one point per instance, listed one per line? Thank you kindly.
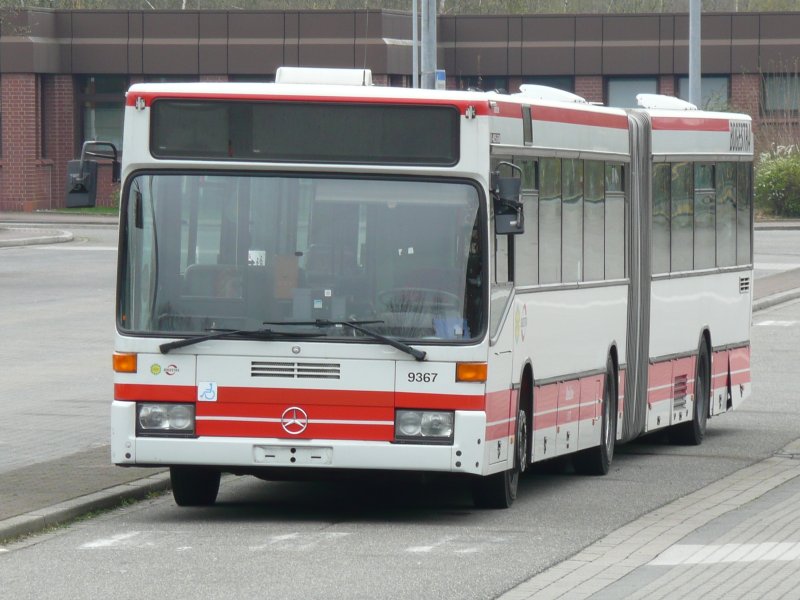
(63, 74)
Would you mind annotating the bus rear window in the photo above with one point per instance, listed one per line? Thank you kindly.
(305, 132)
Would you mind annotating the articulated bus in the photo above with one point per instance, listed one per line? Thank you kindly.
(319, 274)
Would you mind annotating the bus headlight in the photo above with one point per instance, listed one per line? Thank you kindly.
(424, 425)
(164, 419)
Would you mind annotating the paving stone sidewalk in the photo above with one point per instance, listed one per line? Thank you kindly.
(738, 537)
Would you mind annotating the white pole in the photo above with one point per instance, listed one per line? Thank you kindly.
(414, 44)
(428, 44)
(695, 7)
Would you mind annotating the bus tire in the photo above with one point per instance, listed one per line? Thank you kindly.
(500, 490)
(194, 486)
(597, 460)
(692, 432)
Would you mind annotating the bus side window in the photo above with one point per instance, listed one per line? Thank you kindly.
(661, 218)
(572, 220)
(550, 220)
(615, 221)
(682, 223)
(594, 212)
(726, 214)
(705, 245)
(526, 245)
(744, 213)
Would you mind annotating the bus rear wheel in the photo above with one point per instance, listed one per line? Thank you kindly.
(500, 490)
(597, 460)
(693, 432)
(194, 486)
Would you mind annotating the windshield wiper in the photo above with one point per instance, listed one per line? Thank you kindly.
(358, 326)
(266, 334)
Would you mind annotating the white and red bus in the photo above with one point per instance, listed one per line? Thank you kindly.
(337, 277)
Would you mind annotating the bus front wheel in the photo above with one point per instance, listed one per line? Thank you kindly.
(194, 486)
(500, 490)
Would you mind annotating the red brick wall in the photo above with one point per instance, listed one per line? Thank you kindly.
(590, 87)
(26, 178)
(59, 130)
(33, 167)
(666, 85)
(746, 94)
(746, 98)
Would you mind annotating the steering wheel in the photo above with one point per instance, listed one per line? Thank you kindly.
(414, 295)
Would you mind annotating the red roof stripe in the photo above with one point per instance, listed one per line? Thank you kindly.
(690, 124)
(579, 117)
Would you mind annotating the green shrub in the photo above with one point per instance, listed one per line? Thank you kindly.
(777, 185)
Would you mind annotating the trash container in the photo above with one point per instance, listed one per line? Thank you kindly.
(81, 187)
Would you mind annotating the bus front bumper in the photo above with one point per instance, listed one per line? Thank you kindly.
(465, 455)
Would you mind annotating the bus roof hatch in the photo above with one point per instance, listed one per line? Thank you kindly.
(360, 77)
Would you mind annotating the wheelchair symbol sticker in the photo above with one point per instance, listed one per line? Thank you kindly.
(206, 391)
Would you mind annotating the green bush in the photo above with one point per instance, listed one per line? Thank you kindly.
(777, 189)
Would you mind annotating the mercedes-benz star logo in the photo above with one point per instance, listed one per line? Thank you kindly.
(294, 420)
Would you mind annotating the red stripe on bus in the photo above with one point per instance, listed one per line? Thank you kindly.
(498, 405)
(740, 378)
(690, 124)
(275, 411)
(545, 406)
(499, 431)
(328, 431)
(740, 358)
(505, 109)
(579, 117)
(161, 393)
(500, 418)
(591, 397)
(299, 397)
(662, 376)
(439, 401)
(569, 402)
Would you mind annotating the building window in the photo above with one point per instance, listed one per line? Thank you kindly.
(102, 101)
(782, 93)
(251, 78)
(483, 83)
(562, 83)
(170, 78)
(400, 80)
(622, 91)
(714, 92)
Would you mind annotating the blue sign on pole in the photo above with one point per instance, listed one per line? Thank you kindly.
(441, 79)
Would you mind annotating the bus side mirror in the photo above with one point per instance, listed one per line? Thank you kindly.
(507, 202)
(81, 187)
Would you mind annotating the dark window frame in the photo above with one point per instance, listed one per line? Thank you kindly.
(82, 97)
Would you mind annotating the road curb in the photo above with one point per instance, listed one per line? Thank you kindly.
(29, 236)
(38, 520)
(775, 299)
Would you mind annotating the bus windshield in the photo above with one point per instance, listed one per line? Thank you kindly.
(209, 251)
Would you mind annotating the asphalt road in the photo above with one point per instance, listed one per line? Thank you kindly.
(776, 250)
(371, 539)
(365, 538)
(57, 320)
